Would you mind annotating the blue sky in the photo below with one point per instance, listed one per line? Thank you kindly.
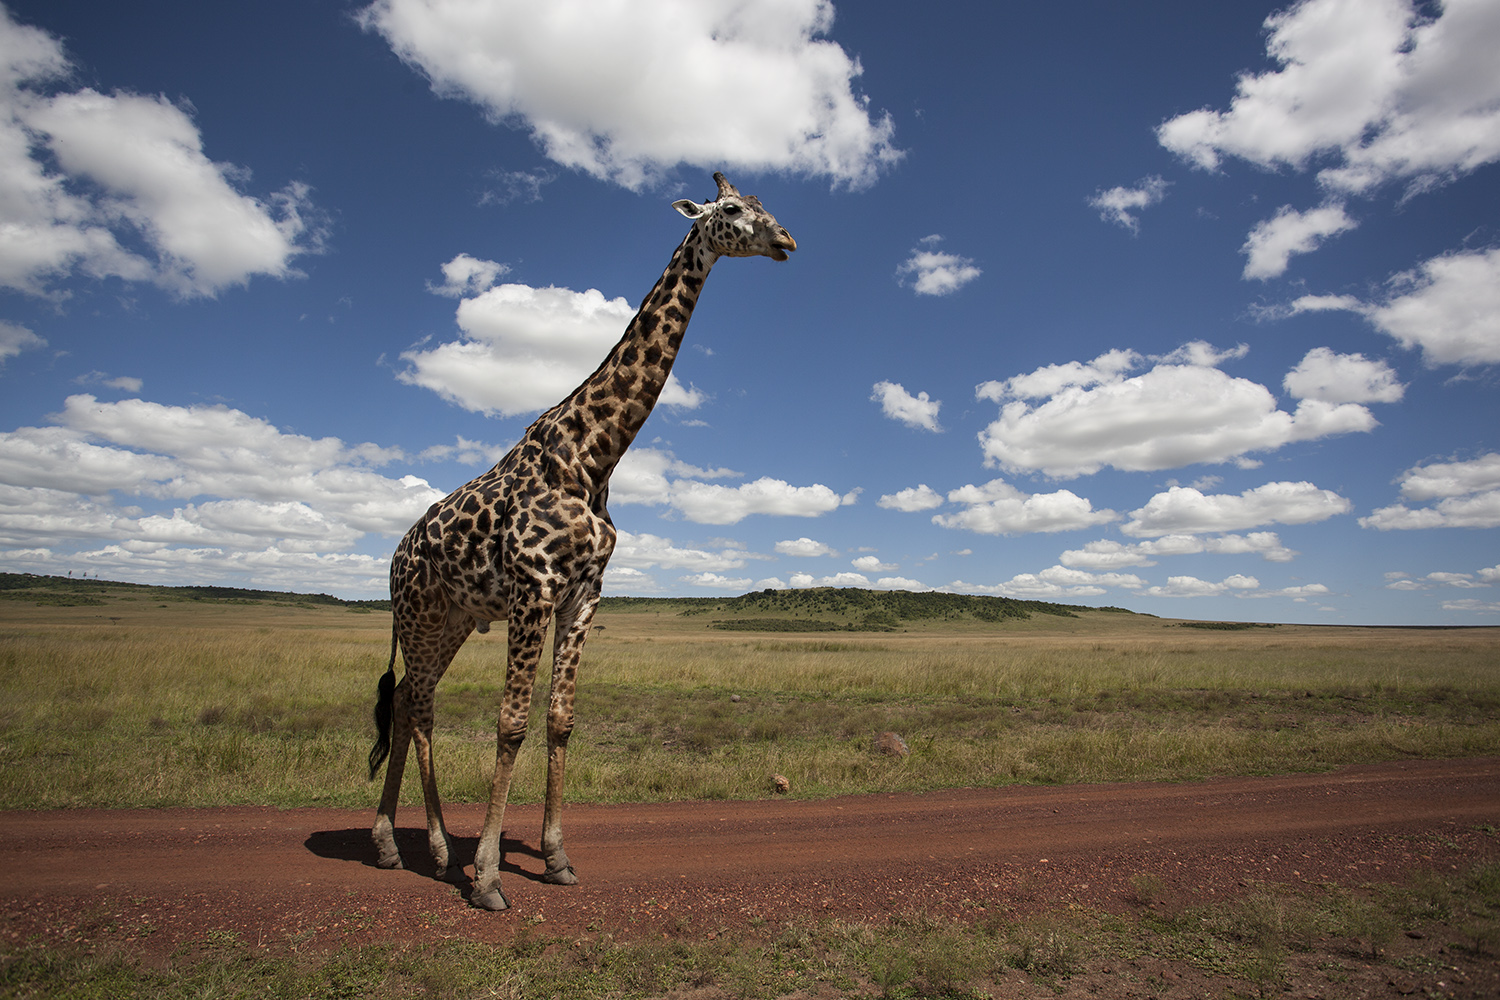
(1187, 308)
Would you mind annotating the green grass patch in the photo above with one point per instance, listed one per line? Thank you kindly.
(1350, 942)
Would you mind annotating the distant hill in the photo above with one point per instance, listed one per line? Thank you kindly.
(815, 609)
(65, 590)
(820, 609)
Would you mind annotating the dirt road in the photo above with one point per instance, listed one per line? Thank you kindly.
(305, 876)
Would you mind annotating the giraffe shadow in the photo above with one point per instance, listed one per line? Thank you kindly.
(354, 845)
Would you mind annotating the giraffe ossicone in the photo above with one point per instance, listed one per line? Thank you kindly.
(526, 543)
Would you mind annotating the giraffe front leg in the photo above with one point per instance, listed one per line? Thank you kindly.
(572, 630)
(559, 869)
(487, 894)
(528, 629)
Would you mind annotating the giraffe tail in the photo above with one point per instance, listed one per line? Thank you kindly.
(385, 694)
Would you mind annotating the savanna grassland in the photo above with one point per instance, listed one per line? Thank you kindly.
(115, 695)
(132, 696)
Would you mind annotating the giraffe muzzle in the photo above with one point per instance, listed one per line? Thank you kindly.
(782, 244)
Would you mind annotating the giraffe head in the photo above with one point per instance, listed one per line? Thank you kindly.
(737, 225)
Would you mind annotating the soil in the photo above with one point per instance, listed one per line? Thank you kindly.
(162, 879)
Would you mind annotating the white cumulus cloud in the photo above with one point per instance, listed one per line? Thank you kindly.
(912, 498)
(998, 508)
(271, 568)
(1109, 554)
(1451, 479)
(1470, 604)
(170, 492)
(642, 550)
(15, 338)
(465, 276)
(1072, 577)
(1120, 205)
(523, 348)
(627, 91)
(1052, 584)
(1191, 586)
(1448, 308)
(1106, 554)
(1050, 380)
(801, 581)
(646, 475)
(710, 503)
(804, 547)
(900, 583)
(1373, 88)
(717, 581)
(1343, 378)
(915, 411)
(1180, 412)
(1272, 244)
(118, 185)
(1467, 495)
(652, 476)
(930, 271)
(1184, 510)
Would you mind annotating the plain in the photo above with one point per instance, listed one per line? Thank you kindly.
(119, 695)
(116, 695)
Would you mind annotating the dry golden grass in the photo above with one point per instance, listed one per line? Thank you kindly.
(146, 702)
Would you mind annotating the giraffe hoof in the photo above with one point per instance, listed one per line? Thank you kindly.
(491, 899)
(453, 874)
(389, 861)
(563, 876)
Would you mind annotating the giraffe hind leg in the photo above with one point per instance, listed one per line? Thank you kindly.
(411, 712)
(438, 841)
(384, 832)
(426, 676)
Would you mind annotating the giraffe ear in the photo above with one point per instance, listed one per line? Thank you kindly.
(691, 209)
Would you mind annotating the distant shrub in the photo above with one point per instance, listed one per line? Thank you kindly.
(1225, 626)
(791, 625)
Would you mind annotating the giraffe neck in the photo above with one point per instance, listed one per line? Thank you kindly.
(591, 429)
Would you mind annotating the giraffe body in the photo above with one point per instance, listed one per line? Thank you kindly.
(527, 543)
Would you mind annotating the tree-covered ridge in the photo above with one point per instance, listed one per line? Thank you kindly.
(833, 607)
(852, 604)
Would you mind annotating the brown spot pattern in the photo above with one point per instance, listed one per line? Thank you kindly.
(527, 543)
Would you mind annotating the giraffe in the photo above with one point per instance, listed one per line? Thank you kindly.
(526, 543)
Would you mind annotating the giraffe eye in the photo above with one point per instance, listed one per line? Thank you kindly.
(732, 210)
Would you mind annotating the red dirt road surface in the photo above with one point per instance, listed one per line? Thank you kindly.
(160, 878)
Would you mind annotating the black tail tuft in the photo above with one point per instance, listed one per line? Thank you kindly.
(385, 695)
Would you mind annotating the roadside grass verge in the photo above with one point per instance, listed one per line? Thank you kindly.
(204, 704)
(1432, 929)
